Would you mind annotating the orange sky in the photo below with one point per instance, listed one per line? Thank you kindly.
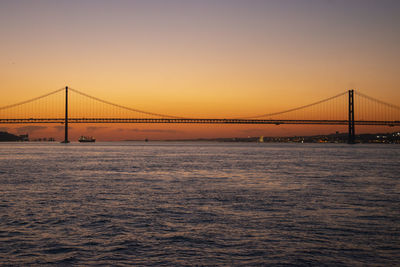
(199, 58)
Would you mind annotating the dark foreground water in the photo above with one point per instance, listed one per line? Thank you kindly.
(199, 204)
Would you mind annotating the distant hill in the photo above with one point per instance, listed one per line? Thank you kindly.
(7, 137)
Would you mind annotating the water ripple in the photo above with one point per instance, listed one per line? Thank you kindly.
(185, 204)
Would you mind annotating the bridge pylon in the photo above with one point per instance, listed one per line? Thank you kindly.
(66, 141)
(352, 137)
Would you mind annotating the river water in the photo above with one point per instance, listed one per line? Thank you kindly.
(191, 204)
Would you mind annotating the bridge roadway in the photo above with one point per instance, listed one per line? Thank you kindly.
(195, 121)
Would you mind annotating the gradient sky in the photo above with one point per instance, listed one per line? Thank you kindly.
(200, 58)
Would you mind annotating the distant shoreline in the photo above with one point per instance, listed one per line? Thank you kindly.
(391, 138)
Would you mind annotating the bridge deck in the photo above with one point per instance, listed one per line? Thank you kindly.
(195, 121)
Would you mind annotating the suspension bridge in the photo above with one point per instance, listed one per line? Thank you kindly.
(68, 105)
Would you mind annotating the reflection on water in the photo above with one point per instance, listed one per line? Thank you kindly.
(199, 204)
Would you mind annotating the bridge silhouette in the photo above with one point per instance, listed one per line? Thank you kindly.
(68, 105)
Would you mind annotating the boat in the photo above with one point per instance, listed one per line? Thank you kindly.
(86, 139)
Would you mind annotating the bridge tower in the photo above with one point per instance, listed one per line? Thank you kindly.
(66, 117)
(351, 139)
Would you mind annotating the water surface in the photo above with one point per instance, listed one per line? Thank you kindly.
(183, 204)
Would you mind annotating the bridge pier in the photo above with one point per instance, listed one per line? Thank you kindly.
(352, 136)
(66, 117)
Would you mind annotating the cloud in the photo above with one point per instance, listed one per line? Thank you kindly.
(30, 129)
(150, 130)
(61, 128)
(251, 130)
(95, 128)
(159, 131)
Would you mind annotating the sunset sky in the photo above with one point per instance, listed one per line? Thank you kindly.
(221, 58)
